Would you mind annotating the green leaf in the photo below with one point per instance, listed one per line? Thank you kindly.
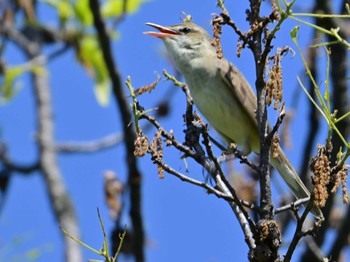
(293, 33)
(102, 92)
(90, 56)
(114, 8)
(8, 86)
(83, 13)
(65, 10)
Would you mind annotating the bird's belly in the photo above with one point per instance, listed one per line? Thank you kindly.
(219, 106)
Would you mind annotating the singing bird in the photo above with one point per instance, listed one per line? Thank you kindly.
(222, 94)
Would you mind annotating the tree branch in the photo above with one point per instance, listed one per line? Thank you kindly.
(198, 155)
(299, 233)
(293, 205)
(134, 175)
(60, 199)
(90, 146)
(11, 166)
(261, 113)
(338, 72)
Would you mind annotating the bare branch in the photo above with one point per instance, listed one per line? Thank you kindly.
(293, 205)
(299, 233)
(192, 138)
(210, 190)
(235, 153)
(219, 171)
(134, 175)
(20, 168)
(59, 197)
(18, 38)
(90, 146)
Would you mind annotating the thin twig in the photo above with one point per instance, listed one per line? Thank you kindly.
(210, 167)
(20, 168)
(276, 126)
(225, 19)
(190, 180)
(299, 233)
(90, 146)
(232, 191)
(18, 38)
(293, 205)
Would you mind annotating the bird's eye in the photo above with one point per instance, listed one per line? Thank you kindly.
(185, 30)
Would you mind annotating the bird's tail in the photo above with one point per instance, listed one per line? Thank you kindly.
(290, 176)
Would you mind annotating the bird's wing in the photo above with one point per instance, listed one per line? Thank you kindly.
(245, 99)
(240, 87)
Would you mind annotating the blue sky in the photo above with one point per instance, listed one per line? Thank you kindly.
(182, 222)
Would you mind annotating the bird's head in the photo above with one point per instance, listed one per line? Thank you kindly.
(185, 42)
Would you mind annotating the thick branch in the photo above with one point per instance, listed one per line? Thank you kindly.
(58, 194)
(134, 176)
(261, 114)
(60, 200)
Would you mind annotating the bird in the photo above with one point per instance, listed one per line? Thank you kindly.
(222, 94)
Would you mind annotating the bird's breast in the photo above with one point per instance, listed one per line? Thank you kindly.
(221, 108)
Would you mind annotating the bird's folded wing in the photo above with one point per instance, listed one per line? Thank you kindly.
(239, 86)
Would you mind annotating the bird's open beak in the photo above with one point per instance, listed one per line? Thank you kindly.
(163, 31)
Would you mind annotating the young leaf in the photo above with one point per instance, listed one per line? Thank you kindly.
(114, 8)
(90, 56)
(8, 86)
